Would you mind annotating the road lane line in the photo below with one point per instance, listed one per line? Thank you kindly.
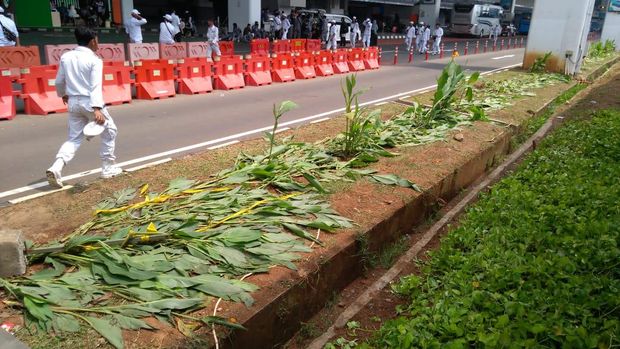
(37, 195)
(319, 120)
(282, 129)
(502, 57)
(377, 102)
(223, 145)
(380, 104)
(150, 164)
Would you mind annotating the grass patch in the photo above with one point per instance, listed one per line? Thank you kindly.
(534, 263)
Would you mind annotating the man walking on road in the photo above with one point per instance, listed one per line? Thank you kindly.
(286, 25)
(355, 29)
(367, 33)
(437, 35)
(213, 38)
(134, 27)
(9, 36)
(78, 82)
(426, 36)
(332, 40)
(409, 36)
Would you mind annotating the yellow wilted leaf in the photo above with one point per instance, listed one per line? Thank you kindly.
(192, 191)
(144, 189)
(151, 228)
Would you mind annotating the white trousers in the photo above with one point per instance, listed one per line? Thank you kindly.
(408, 42)
(213, 47)
(366, 41)
(423, 46)
(80, 114)
(332, 44)
(284, 34)
(436, 45)
(353, 37)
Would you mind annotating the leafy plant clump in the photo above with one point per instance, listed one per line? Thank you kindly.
(534, 262)
(540, 63)
(601, 49)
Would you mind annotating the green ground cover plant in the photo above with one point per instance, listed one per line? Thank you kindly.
(534, 264)
(196, 239)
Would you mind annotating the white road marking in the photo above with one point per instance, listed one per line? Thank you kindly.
(150, 164)
(380, 104)
(37, 195)
(502, 57)
(319, 120)
(282, 129)
(223, 145)
(377, 102)
(405, 97)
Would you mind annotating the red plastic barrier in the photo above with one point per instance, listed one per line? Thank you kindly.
(173, 51)
(116, 83)
(154, 79)
(53, 52)
(282, 68)
(356, 60)
(258, 71)
(112, 52)
(194, 75)
(197, 49)
(229, 74)
(298, 45)
(259, 47)
(7, 100)
(281, 46)
(371, 58)
(139, 52)
(339, 62)
(304, 66)
(227, 48)
(39, 90)
(323, 63)
(313, 45)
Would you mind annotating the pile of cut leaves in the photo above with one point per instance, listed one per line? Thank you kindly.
(167, 254)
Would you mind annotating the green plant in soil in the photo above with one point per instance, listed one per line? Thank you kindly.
(540, 63)
(199, 237)
(284, 107)
(534, 264)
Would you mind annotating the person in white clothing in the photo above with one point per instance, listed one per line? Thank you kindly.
(355, 29)
(79, 83)
(409, 35)
(286, 25)
(167, 31)
(277, 22)
(134, 27)
(367, 33)
(425, 38)
(332, 39)
(437, 35)
(10, 26)
(213, 37)
(176, 20)
(419, 39)
(495, 32)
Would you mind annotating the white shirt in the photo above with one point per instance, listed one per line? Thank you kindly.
(286, 24)
(355, 27)
(175, 20)
(427, 34)
(438, 32)
(80, 73)
(167, 31)
(367, 28)
(213, 34)
(134, 29)
(278, 22)
(498, 30)
(332, 31)
(10, 25)
(411, 32)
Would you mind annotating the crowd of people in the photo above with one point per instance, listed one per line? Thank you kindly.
(172, 27)
(421, 36)
(95, 14)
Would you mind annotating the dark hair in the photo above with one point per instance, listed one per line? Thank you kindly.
(84, 35)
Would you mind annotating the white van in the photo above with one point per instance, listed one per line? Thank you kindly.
(334, 17)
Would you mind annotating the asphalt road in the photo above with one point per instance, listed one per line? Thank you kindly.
(156, 130)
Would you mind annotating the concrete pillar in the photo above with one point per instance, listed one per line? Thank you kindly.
(126, 7)
(429, 11)
(243, 12)
(611, 28)
(561, 30)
